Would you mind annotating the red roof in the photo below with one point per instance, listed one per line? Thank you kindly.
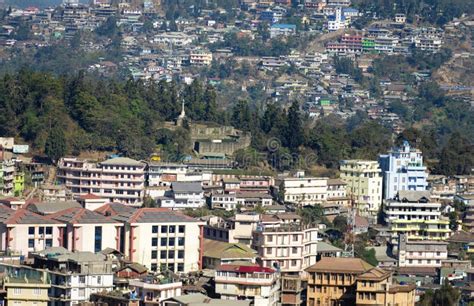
(245, 269)
(90, 196)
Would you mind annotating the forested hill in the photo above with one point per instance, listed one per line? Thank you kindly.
(67, 115)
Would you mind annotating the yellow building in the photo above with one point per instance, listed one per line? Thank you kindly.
(332, 281)
(26, 287)
(364, 185)
(351, 281)
(375, 287)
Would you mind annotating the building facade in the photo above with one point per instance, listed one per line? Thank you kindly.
(118, 179)
(403, 169)
(248, 282)
(364, 185)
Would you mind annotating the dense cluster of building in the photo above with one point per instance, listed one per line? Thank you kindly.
(88, 239)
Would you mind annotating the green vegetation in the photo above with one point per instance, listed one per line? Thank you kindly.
(433, 11)
(445, 296)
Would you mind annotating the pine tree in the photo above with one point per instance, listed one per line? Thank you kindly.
(55, 146)
(294, 129)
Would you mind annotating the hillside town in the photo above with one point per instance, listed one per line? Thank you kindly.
(252, 152)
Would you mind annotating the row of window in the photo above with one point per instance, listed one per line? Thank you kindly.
(171, 241)
(179, 267)
(167, 254)
(293, 237)
(41, 230)
(167, 229)
(48, 243)
(18, 291)
(294, 250)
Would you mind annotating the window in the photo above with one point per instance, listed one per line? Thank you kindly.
(162, 254)
(171, 255)
(82, 292)
(49, 243)
(99, 280)
(154, 266)
(180, 241)
(269, 251)
(180, 267)
(17, 291)
(171, 241)
(49, 230)
(294, 262)
(31, 230)
(295, 237)
(36, 291)
(164, 229)
(154, 254)
(180, 254)
(41, 230)
(181, 229)
(31, 243)
(269, 238)
(98, 239)
(163, 241)
(172, 229)
(154, 241)
(154, 229)
(294, 250)
(82, 279)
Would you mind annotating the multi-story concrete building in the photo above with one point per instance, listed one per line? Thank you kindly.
(151, 291)
(468, 220)
(162, 239)
(352, 281)
(302, 191)
(403, 169)
(337, 193)
(364, 185)
(421, 253)
(22, 231)
(24, 286)
(7, 175)
(248, 282)
(88, 231)
(200, 58)
(183, 195)
(164, 174)
(118, 179)
(238, 229)
(243, 200)
(412, 213)
(289, 246)
(332, 280)
(74, 276)
(375, 287)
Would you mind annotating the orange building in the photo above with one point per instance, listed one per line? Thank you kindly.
(351, 281)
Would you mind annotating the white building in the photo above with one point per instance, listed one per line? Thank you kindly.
(200, 58)
(235, 199)
(22, 231)
(118, 179)
(413, 214)
(183, 195)
(151, 291)
(337, 21)
(162, 239)
(75, 276)
(303, 190)
(248, 282)
(417, 253)
(403, 169)
(282, 242)
(364, 185)
(174, 38)
(88, 231)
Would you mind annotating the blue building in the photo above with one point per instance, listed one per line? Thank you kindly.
(402, 169)
(282, 29)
